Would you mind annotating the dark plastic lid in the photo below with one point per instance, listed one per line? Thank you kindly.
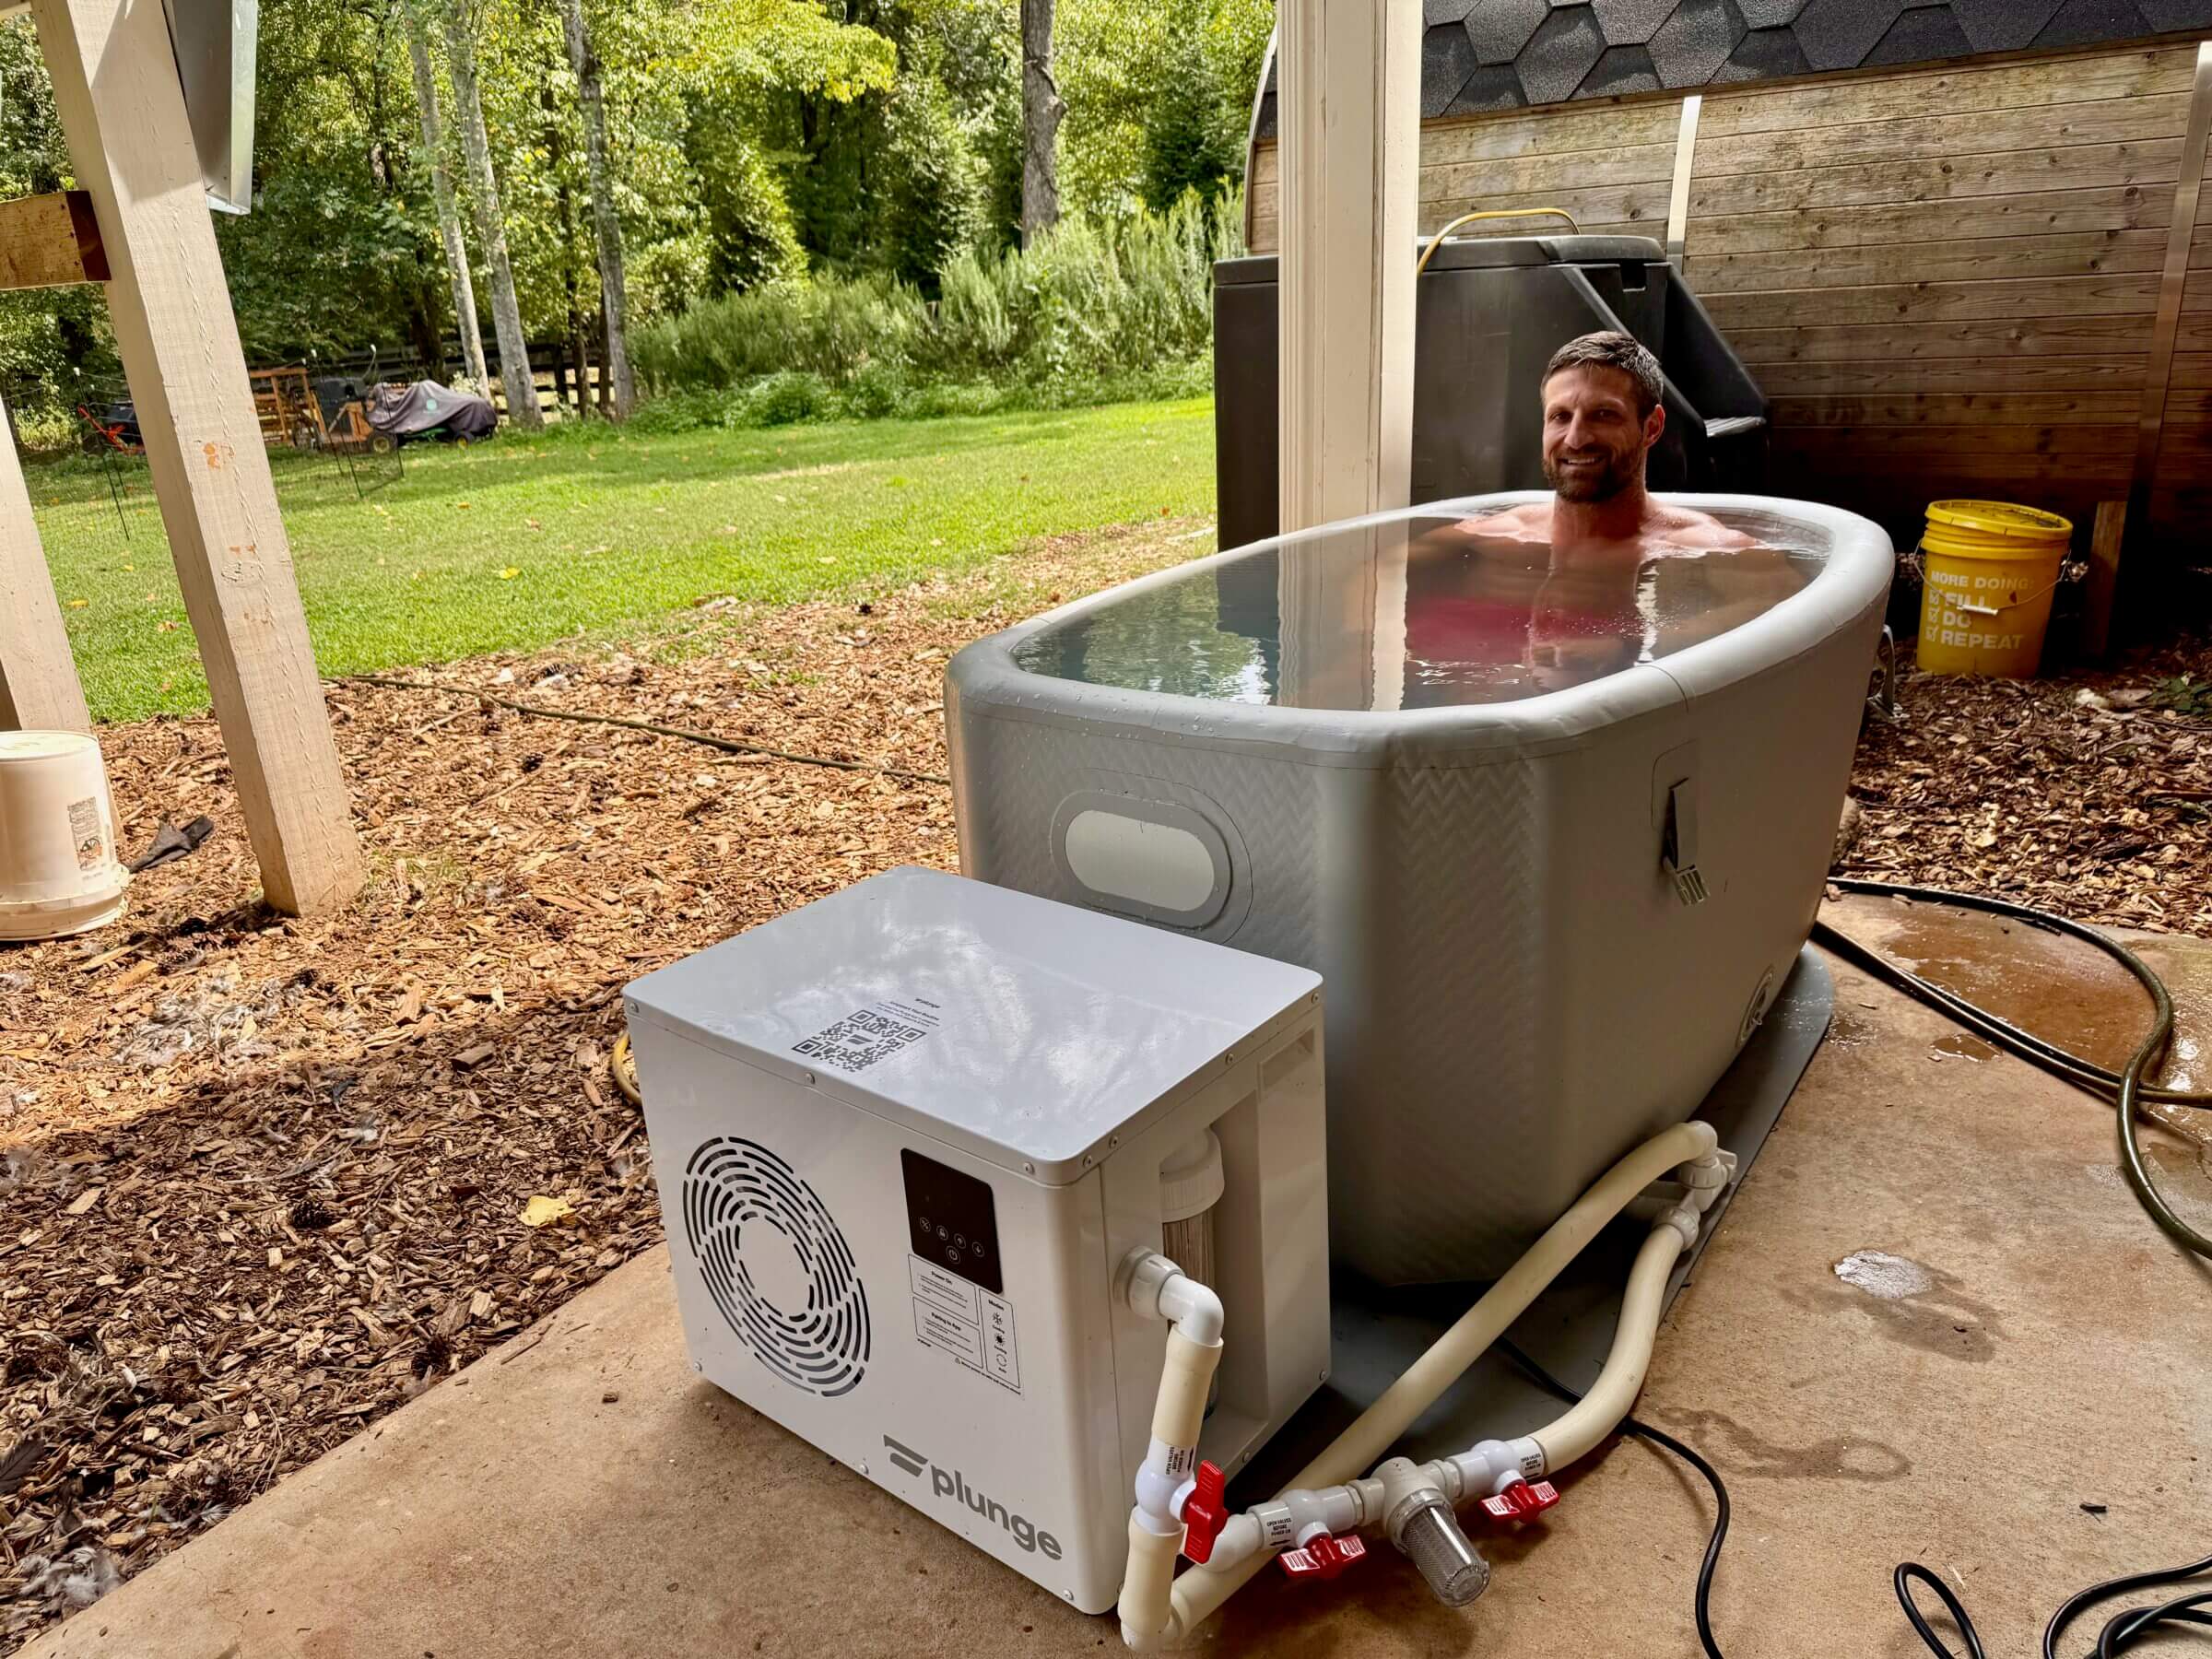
(1483, 253)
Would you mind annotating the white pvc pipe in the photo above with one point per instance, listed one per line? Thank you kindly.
(1196, 1596)
(1178, 1412)
(1578, 1433)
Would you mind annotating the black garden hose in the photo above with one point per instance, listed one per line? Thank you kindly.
(2124, 1088)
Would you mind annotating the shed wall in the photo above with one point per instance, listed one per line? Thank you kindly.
(1944, 277)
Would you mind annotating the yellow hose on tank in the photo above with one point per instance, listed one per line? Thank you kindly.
(1437, 240)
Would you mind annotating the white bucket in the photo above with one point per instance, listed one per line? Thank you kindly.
(58, 869)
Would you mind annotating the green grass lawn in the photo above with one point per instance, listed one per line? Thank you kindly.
(513, 544)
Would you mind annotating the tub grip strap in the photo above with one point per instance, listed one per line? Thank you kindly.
(1679, 851)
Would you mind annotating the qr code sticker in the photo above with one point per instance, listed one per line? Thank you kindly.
(861, 1039)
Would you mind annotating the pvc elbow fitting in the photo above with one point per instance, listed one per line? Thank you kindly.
(1155, 1288)
(1193, 1309)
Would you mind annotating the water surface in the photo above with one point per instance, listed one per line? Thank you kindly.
(1422, 612)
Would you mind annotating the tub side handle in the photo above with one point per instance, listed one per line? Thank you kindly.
(1678, 847)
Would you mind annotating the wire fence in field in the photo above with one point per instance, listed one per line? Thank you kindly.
(94, 500)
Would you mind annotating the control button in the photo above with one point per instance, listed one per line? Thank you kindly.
(944, 1231)
(959, 1241)
(923, 1222)
(979, 1249)
(953, 1257)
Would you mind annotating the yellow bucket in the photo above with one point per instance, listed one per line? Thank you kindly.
(1990, 570)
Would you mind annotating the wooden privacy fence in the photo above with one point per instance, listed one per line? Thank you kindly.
(1949, 280)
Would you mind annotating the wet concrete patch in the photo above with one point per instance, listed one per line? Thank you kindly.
(1738, 1451)
(1964, 1046)
(1910, 1302)
(2060, 989)
(1891, 1277)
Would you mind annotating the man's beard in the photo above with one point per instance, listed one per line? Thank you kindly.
(1581, 485)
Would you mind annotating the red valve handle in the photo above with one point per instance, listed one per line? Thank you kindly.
(1324, 1558)
(1523, 1501)
(1204, 1513)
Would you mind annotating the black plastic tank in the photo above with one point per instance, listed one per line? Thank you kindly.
(1489, 312)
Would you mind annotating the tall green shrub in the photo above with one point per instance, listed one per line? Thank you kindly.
(1096, 303)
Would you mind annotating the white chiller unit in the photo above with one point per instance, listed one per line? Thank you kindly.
(909, 1139)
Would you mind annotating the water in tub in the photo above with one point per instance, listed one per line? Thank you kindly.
(1418, 613)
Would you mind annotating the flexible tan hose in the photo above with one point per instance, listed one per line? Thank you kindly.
(1198, 1594)
(1577, 1434)
(1437, 240)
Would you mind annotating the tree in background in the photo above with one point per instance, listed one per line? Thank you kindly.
(1189, 142)
(746, 145)
(463, 18)
(52, 341)
(1041, 110)
(606, 224)
(441, 188)
(1157, 94)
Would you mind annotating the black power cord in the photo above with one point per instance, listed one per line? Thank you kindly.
(2120, 1633)
(1658, 1437)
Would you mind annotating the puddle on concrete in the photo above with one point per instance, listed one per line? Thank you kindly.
(1920, 1306)
(1891, 1277)
(2062, 990)
(1847, 1031)
(1962, 1046)
(1742, 1452)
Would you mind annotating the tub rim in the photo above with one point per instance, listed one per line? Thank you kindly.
(982, 678)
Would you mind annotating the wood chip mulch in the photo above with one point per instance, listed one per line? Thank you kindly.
(263, 1180)
(2087, 794)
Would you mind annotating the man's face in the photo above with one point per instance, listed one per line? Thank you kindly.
(1595, 441)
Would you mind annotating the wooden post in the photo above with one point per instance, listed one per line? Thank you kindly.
(1350, 117)
(50, 242)
(121, 108)
(39, 689)
(1349, 76)
(2105, 539)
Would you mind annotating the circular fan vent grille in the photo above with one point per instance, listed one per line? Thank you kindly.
(732, 1188)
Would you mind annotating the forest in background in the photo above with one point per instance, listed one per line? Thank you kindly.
(770, 164)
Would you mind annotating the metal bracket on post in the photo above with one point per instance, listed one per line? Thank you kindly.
(1678, 198)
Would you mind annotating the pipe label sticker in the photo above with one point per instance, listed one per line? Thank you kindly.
(975, 1325)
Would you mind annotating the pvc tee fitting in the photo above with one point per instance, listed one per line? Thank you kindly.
(1420, 1523)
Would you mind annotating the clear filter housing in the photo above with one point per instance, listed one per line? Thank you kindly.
(1447, 1557)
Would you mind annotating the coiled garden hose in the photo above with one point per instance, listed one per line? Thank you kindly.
(622, 1066)
(2125, 1089)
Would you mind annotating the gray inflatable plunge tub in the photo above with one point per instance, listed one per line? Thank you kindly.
(1552, 831)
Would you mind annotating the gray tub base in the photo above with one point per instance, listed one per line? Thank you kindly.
(1378, 1331)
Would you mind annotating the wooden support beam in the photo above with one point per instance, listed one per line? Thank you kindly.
(50, 242)
(39, 687)
(121, 108)
(1350, 117)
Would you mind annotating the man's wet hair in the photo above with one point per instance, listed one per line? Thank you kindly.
(1611, 349)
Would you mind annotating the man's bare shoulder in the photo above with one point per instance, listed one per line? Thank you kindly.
(1529, 521)
(1685, 527)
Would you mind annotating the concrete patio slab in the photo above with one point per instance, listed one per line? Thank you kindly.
(2032, 1414)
